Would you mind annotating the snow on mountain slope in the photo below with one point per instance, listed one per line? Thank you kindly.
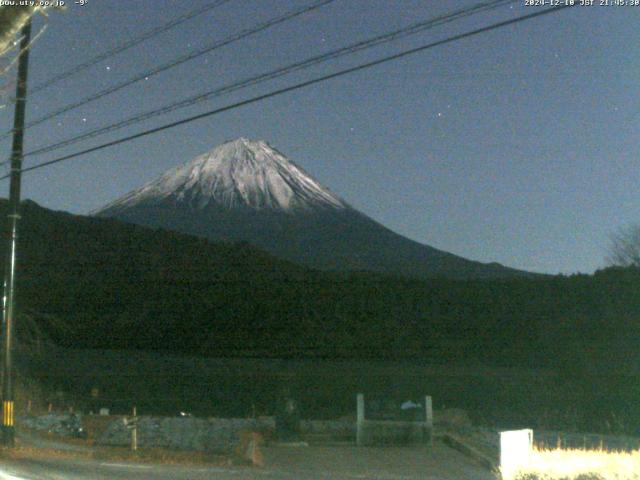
(247, 191)
(235, 174)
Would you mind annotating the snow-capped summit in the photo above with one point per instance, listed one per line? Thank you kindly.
(238, 173)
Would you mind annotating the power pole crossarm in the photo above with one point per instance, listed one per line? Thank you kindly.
(12, 19)
(8, 427)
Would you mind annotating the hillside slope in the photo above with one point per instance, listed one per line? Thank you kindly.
(246, 190)
(102, 283)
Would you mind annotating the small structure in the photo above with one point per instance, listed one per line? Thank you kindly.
(408, 430)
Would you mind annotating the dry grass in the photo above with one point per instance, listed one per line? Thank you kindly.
(559, 464)
(161, 456)
(21, 452)
(145, 456)
(24, 450)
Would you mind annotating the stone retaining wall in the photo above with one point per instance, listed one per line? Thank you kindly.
(212, 434)
(63, 424)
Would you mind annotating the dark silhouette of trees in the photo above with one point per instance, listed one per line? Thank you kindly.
(624, 250)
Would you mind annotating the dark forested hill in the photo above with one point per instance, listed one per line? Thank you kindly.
(110, 284)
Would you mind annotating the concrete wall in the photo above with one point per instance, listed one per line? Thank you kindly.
(333, 428)
(393, 433)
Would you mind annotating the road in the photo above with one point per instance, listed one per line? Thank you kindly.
(282, 463)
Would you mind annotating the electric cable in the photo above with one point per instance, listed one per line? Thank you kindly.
(127, 45)
(298, 86)
(296, 66)
(174, 63)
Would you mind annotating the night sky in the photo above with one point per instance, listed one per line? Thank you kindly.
(518, 146)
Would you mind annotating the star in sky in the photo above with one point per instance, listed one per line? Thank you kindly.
(461, 132)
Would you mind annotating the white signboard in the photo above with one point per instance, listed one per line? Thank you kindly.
(515, 451)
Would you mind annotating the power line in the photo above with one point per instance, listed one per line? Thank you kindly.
(296, 66)
(176, 62)
(298, 86)
(127, 45)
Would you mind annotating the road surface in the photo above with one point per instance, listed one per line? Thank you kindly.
(282, 463)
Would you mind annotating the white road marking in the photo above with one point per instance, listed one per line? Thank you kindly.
(215, 469)
(124, 465)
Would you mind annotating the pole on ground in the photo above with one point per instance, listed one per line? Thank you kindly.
(428, 418)
(360, 419)
(134, 431)
(8, 427)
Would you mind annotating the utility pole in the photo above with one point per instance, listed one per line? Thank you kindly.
(8, 427)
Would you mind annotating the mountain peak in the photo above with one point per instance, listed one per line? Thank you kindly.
(236, 174)
(245, 190)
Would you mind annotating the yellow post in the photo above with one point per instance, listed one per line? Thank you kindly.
(7, 413)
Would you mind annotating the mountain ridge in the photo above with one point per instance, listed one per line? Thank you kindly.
(246, 190)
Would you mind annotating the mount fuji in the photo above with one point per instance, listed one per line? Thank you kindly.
(247, 191)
